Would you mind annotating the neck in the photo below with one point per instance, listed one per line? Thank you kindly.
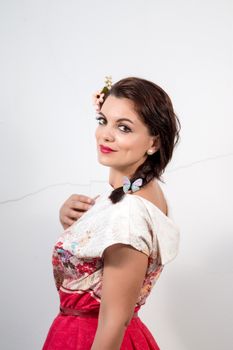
(116, 176)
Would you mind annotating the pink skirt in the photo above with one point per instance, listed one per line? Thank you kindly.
(77, 332)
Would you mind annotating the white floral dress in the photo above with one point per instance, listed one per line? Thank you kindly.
(78, 259)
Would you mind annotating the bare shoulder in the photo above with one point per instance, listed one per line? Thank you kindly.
(153, 193)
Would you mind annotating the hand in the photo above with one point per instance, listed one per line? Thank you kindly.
(73, 208)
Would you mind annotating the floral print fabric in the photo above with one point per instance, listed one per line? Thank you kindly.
(78, 267)
(78, 254)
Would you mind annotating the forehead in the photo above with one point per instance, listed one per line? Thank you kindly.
(119, 107)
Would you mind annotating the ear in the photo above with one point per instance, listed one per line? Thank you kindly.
(155, 145)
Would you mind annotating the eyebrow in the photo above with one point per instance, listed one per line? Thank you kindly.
(118, 120)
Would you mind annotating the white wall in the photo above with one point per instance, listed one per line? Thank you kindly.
(54, 55)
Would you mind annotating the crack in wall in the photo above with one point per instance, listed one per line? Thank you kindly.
(201, 161)
(185, 166)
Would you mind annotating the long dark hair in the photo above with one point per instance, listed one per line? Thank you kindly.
(155, 109)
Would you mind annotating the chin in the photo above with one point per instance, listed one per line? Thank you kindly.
(104, 161)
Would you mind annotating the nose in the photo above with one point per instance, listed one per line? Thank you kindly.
(107, 134)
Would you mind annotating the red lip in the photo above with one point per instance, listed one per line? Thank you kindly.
(105, 149)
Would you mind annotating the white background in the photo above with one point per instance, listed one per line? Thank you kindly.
(54, 55)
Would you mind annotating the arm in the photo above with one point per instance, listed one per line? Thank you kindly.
(123, 275)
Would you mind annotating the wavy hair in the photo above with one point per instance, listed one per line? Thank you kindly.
(155, 109)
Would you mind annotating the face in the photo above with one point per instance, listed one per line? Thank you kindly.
(120, 129)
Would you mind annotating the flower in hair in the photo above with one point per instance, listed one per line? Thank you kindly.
(98, 96)
(97, 99)
(108, 82)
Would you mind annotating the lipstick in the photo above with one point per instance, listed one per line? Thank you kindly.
(104, 149)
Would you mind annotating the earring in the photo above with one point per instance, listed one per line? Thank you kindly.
(150, 152)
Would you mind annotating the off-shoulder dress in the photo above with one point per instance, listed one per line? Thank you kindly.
(78, 268)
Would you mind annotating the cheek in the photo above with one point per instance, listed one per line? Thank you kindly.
(96, 133)
(137, 147)
(124, 142)
(132, 143)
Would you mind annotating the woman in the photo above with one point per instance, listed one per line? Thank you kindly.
(106, 263)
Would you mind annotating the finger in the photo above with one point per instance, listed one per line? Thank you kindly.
(81, 198)
(81, 206)
(80, 213)
(67, 221)
(74, 214)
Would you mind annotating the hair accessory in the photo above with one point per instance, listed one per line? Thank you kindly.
(98, 96)
(134, 186)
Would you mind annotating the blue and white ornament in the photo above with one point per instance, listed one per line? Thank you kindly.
(135, 186)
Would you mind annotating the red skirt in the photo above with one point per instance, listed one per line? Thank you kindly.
(69, 332)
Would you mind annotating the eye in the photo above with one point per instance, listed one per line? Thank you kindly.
(126, 128)
(100, 119)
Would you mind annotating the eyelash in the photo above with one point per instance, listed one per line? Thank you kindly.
(128, 129)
